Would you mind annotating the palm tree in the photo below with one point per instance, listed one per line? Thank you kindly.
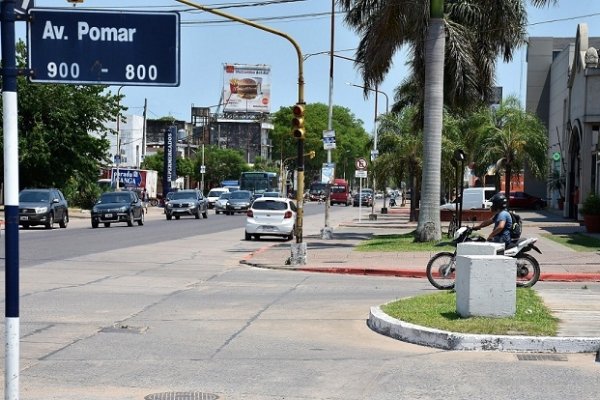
(476, 31)
(513, 138)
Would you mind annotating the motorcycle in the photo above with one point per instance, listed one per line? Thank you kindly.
(392, 202)
(441, 268)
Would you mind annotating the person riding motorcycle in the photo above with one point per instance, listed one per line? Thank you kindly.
(502, 220)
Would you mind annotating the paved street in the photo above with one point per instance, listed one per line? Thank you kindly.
(185, 316)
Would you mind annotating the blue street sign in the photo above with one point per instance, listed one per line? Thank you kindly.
(104, 47)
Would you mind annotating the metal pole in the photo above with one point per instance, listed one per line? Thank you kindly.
(11, 205)
(202, 183)
(327, 231)
(118, 157)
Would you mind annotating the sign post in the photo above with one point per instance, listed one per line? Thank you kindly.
(104, 47)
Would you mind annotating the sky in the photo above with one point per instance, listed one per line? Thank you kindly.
(209, 41)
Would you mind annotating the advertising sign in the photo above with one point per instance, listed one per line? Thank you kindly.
(327, 173)
(103, 47)
(247, 88)
(128, 177)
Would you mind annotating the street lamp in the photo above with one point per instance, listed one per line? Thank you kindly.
(387, 110)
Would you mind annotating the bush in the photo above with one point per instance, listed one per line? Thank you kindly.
(591, 205)
(82, 194)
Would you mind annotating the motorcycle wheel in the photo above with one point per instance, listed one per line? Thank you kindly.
(528, 270)
(441, 270)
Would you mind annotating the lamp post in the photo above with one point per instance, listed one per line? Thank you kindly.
(387, 110)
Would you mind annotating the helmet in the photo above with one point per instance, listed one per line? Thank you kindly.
(499, 202)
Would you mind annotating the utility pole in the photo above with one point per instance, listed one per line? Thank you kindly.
(327, 231)
(118, 156)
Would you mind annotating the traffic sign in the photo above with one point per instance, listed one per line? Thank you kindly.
(329, 143)
(360, 163)
(22, 6)
(104, 47)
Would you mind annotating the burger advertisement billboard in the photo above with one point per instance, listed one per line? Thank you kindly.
(247, 88)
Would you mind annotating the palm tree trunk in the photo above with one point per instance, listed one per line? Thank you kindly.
(507, 179)
(429, 227)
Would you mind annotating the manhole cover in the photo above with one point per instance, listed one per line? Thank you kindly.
(181, 396)
(542, 357)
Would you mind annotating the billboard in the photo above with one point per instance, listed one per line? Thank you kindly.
(247, 88)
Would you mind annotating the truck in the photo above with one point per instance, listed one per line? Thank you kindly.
(132, 179)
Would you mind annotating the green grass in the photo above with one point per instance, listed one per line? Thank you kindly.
(403, 242)
(438, 310)
(576, 241)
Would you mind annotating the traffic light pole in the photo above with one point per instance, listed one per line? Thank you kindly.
(299, 250)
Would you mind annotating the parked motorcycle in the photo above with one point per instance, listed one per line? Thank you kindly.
(392, 202)
(441, 268)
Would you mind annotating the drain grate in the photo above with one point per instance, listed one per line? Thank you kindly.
(542, 357)
(181, 396)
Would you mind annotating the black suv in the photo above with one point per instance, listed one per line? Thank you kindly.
(187, 202)
(115, 207)
(43, 207)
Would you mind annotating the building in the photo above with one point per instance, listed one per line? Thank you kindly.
(563, 87)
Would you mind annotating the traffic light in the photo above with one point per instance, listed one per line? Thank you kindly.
(311, 154)
(298, 122)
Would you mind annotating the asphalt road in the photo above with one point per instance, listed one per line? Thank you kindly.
(181, 315)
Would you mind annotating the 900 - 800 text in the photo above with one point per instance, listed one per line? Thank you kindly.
(132, 72)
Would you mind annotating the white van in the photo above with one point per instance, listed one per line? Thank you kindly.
(213, 195)
(477, 197)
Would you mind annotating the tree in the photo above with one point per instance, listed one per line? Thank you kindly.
(476, 31)
(351, 138)
(221, 164)
(55, 147)
(513, 138)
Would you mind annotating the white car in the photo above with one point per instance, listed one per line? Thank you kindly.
(271, 216)
(213, 195)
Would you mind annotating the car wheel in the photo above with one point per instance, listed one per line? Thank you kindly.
(25, 226)
(94, 224)
(247, 236)
(141, 220)
(197, 215)
(256, 237)
(290, 236)
(64, 221)
(205, 214)
(169, 216)
(177, 216)
(50, 221)
(217, 212)
(130, 219)
(107, 224)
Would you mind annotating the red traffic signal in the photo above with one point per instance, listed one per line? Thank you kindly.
(298, 121)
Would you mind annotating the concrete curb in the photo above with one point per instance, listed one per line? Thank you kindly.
(384, 324)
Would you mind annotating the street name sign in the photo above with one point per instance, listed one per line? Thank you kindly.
(104, 47)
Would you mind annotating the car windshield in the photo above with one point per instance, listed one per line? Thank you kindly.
(269, 205)
(34, 196)
(224, 196)
(183, 195)
(115, 198)
(240, 194)
(215, 193)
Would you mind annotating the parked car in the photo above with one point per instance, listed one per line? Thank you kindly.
(239, 202)
(43, 207)
(187, 202)
(271, 216)
(364, 198)
(114, 207)
(221, 203)
(214, 194)
(477, 197)
(525, 200)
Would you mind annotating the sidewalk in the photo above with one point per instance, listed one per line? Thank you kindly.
(577, 308)
(557, 262)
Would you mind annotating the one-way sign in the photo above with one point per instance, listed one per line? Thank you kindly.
(104, 47)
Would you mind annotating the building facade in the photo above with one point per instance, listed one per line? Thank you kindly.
(563, 89)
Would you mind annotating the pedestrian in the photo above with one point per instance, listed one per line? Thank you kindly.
(145, 200)
(502, 220)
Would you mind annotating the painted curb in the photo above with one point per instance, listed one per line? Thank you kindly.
(384, 324)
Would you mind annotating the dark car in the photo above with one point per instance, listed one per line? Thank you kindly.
(364, 198)
(526, 200)
(187, 202)
(113, 207)
(239, 202)
(43, 207)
